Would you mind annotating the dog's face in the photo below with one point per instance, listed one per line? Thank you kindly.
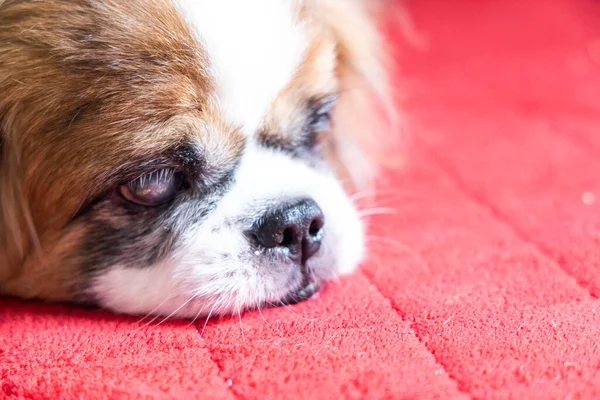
(177, 157)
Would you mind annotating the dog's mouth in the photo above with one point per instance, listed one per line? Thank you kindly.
(305, 292)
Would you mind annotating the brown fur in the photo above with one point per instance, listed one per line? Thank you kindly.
(82, 72)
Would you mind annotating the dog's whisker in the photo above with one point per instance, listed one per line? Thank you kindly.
(288, 307)
(377, 211)
(173, 312)
(281, 303)
(193, 321)
(239, 314)
(208, 317)
(262, 315)
(139, 321)
(396, 194)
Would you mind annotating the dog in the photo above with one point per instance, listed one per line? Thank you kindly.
(184, 158)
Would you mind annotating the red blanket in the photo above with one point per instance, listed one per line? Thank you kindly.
(483, 283)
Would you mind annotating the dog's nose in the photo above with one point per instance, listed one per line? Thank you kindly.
(295, 228)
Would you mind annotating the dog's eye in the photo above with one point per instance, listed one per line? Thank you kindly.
(154, 188)
(321, 118)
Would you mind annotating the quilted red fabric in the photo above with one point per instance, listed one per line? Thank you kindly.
(482, 284)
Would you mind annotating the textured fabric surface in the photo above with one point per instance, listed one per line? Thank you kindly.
(483, 282)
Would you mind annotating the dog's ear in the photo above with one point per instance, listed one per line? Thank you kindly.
(16, 228)
(3, 230)
(5, 258)
(365, 115)
(12, 244)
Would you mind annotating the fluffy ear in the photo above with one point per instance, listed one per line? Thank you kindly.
(16, 227)
(5, 258)
(13, 244)
(366, 114)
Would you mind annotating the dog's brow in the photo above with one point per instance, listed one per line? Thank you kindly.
(182, 155)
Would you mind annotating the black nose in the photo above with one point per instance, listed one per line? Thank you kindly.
(294, 228)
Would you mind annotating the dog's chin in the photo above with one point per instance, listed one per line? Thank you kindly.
(307, 290)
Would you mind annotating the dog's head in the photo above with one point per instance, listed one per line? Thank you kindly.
(180, 157)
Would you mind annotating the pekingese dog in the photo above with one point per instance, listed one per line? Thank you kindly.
(183, 158)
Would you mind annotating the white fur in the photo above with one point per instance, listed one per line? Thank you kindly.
(195, 281)
(254, 48)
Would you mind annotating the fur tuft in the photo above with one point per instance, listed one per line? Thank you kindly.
(366, 114)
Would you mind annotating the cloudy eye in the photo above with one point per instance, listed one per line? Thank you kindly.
(153, 189)
(321, 118)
